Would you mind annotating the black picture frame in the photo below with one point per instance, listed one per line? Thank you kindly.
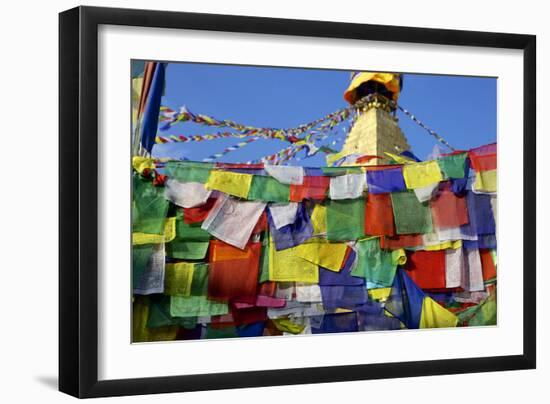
(78, 201)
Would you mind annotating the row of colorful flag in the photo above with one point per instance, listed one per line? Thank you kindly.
(230, 250)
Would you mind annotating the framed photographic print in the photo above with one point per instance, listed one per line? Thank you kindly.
(252, 201)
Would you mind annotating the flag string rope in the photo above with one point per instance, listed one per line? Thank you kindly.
(317, 130)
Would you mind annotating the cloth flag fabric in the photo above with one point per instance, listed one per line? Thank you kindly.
(232, 221)
(286, 174)
(186, 194)
(427, 269)
(345, 219)
(410, 215)
(150, 117)
(151, 279)
(379, 215)
(313, 187)
(287, 266)
(228, 250)
(179, 277)
(235, 184)
(268, 189)
(349, 186)
(452, 166)
(419, 175)
(292, 234)
(449, 210)
(405, 300)
(283, 214)
(323, 253)
(233, 271)
(435, 316)
(386, 180)
(377, 266)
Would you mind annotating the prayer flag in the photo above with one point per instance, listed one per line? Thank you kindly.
(233, 221)
(427, 269)
(233, 272)
(453, 165)
(385, 180)
(436, 316)
(235, 184)
(268, 189)
(420, 175)
(314, 187)
(293, 234)
(405, 300)
(411, 216)
(345, 219)
(348, 186)
(379, 215)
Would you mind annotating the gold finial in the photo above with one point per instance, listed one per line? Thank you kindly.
(387, 85)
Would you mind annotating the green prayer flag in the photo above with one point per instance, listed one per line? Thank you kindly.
(453, 166)
(411, 216)
(199, 284)
(189, 232)
(264, 260)
(186, 171)
(345, 219)
(187, 250)
(377, 266)
(268, 189)
(486, 313)
(190, 306)
(149, 207)
(336, 171)
(159, 315)
(221, 332)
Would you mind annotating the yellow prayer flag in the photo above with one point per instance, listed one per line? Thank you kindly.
(322, 252)
(399, 159)
(178, 278)
(421, 175)
(444, 245)
(286, 266)
(436, 316)
(319, 220)
(285, 325)
(141, 163)
(379, 294)
(140, 331)
(236, 184)
(399, 257)
(486, 181)
(169, 234)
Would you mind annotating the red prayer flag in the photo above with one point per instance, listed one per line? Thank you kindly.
(379, 215)
(401, 241)
(233, 272)
(311, 188)
(261, 225)
(427, 268)
(198, 214)
(484, 163)
(487, 264)
(449, 210)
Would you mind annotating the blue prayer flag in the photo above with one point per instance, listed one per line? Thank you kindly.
(405, 300)
(292, 234)
(385, 181)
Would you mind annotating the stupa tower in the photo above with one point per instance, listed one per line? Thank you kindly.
(376, 129)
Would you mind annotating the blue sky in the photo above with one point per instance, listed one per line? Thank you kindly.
(461, 109)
